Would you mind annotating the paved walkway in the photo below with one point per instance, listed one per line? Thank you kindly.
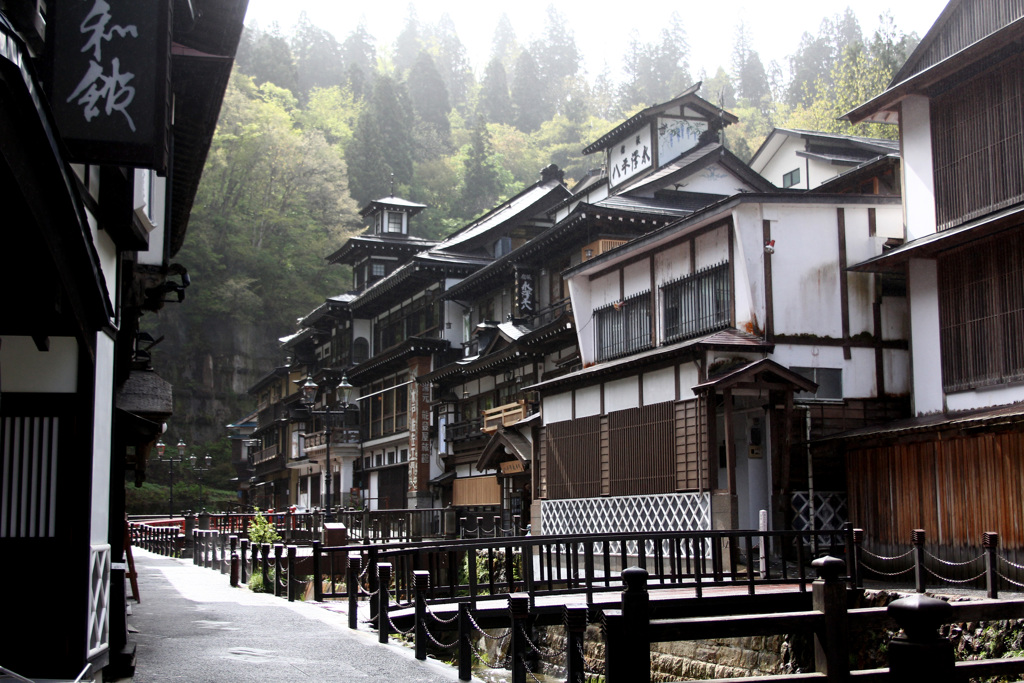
(191, 625)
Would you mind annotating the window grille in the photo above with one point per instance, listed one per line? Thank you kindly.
(623, 327)
(697, 304)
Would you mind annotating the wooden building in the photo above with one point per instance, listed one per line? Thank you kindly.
(955, 469)
(103, 137)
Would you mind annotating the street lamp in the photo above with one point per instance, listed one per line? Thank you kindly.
(199, 472)
(309, 390)
(160, 449)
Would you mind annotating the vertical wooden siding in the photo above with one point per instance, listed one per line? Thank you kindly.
(658, 448)
(691, 446)
(641, 443)
(955, 489)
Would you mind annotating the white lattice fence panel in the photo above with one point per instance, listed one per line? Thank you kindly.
(627, 514)
(830, 511)
(99, 599)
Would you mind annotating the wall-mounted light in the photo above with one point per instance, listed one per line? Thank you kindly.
(769, 247)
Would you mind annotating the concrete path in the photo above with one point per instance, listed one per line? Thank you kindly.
(191, 625)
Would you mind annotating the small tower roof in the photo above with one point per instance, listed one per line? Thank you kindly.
(393, 203)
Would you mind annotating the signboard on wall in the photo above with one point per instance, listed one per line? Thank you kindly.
(109, 80)
(677, 136)
(526, 292)
(630, 156)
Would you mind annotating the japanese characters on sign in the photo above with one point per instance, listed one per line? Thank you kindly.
(630, 156)
(526, 293)
(676, 136)
(109, 84)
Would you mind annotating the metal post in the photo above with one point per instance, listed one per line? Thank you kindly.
(383, 602)
(244, 561)
(318, 580)
(465, 645)
(292, 583)
(990, 541)
(354, 562)
(917, 537)
(421, 582)
(330, 475)
(278, 565)
(265, 566)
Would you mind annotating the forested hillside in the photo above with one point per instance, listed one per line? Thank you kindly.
(315, 125)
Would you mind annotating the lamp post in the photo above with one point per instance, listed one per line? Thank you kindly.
(160, 449)
(250, 465)
(208, 461)
(309, 390)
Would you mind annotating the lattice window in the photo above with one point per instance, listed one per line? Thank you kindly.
(830, 510)
(981, 313)
(978, 145)
(697, 304)
(99, 599)
(623, 327)
(627, 514)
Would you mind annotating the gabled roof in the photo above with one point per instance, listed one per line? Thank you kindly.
(865, 147)
(688, 98)
(698, 159)
(759, 370)
(392, 202)
(359, 247)
(503, 443)
(524, 206)
(405, 282)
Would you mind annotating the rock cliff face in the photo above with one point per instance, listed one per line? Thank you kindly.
(212, 365)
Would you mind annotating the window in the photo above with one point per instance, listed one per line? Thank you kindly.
(377, 270)
(792, 178)
(696, 304)
(502, 246)
(394, 222)
(981, 313)
(829, 381)
(388, 406)
(623, 327)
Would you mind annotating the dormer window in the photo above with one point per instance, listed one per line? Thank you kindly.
(395, 222)
(377, 270)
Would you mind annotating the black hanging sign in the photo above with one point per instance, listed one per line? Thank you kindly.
(109, 82)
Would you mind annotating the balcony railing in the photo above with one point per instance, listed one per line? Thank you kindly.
(265, 455)
(466, 429)
(503, 416)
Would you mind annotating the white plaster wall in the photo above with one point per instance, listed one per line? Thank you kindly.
(805, 272)
(636, 278)
(714, 179)
(889, 223)
(689, 377)
(659, 386)
(557, 408)
(925, 350)
(784, 161)
(916, 166)
(896, 365)
(24, 369)
(603, 291)
(107, 252)
(985, 397)
(712, 248)
(103, 427)
(581, 298)
(895, 318)
(818, 172)
(748, 267)
(621, 394)
(588, 401)
(672, 263)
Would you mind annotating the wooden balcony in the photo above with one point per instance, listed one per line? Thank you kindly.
(503, 416)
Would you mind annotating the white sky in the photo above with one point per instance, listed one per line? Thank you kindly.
(602, 29)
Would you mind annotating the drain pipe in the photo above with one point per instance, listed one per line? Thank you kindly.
(813, 520)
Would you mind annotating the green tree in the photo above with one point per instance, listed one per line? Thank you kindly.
(656, 72)
(495, 103)
(812, 63)
(558, 60)
(481, 185)
(429, 95)
(453, 64)
(268, 59)
(382, 147)
(527, 94)
(409, 43)
(719, 90)
(318, 59)
(504, 46)
(360, 59)
(748, 71)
